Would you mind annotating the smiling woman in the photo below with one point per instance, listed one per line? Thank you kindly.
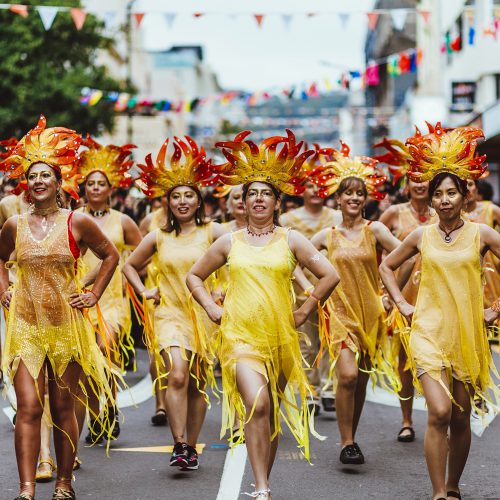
(46, 329)
(447, 344)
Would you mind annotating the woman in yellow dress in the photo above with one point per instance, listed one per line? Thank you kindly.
(359, 344)
(447, 345)
(258, 347)
(181, 334)
(45, 326)
(402, 219)
(102, 169)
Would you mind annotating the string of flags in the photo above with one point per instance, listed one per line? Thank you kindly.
(396, 64)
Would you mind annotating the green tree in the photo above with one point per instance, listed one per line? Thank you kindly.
(43, 72)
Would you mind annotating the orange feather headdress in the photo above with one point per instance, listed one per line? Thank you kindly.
(157, 179)
(397, 158)
(445, 150)
(249, 162)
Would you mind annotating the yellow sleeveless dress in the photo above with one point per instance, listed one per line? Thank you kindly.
(356, 315)
(41, 325)
(491, 265)
(113, 304)
(407, 222)
(448, 330)
(257, 329)
(178, 321)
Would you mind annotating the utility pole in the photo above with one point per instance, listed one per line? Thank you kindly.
(128, 60)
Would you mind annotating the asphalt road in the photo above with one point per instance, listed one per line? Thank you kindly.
(392, 470)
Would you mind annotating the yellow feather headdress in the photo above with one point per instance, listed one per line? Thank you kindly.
(157, 179)
(249, 162)
(445, 150)
(329, 176)
(112, 161)
(55, 146)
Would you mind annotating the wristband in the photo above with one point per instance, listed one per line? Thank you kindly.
(496, 306)
(92, 292)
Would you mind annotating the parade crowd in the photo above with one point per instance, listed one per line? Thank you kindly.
(297, 274)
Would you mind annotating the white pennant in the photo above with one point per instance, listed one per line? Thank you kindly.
(47, 15)
(170, 18)
(399, 18)
(287, 19)
(344, 18)
(110, 19)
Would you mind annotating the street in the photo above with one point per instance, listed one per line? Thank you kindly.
(137, 466)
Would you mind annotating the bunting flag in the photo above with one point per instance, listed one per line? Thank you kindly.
(198, 14)
(78, 16)
(425, 15)
(344, 19)
(404, 62)
(287, 20)
(138, 16)
(19, 9)
(259, 18)
(372, 20)
(47, 15)
(170, 18)
(398, 17)
(372, 74)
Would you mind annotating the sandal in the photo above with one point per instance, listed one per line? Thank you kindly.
(407, 438)
(44, 476)
(159, 418)
(25, 496)
(62, 494)
(454, 494)
(77, 463)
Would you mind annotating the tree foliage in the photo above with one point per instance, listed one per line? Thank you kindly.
(43, 72)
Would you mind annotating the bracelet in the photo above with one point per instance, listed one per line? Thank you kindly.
(308, 291)
(496, 306)
(312, 296)
(92, 292)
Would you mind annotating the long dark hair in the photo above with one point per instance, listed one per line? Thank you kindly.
(460, 184)
(277, 196)
(172, 223)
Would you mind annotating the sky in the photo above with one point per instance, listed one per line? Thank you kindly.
(245, 56)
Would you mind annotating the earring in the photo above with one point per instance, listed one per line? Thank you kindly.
(59, 199)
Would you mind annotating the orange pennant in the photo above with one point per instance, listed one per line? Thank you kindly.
(425, 15)
(79, 16)
(198, 14)
(22, 10)
(259, 18)
(372, 20)
(138, 16)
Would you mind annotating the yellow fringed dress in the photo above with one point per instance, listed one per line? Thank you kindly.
(178, 321)
(448, 330)
(257, 329)
(355, 310)
(41, 325)
(114, 305)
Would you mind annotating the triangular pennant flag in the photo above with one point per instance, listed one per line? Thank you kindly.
(372, 20)
(78, 16)
(344, 19)
(110, 19)
(426, 15)
(170, 18)
(399, 18)
(372, 74)
(138, 16)
(259, 18)
(311, 14)
(198, 14)
(472, 35)
(22, 10)
(47, 15)
(287, 19)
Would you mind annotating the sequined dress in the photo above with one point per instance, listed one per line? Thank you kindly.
(41, 325)
(257, 329)
(355, 309)
(448, 330)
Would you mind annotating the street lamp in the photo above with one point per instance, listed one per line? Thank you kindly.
(128, 60)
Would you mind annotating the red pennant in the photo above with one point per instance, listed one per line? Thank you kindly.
(259, 18)
(372, 20)
(22, 10)
(79, 16)
(138, 16)
(404, 62)
(198, 14)
(425, 15)
(456, 44)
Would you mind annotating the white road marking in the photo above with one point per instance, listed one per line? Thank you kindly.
(232, 474)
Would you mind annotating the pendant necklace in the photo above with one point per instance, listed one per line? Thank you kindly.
(43, 212)
(423, 218)
(447, 234)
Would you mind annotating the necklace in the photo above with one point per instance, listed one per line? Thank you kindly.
(253, 233)
(43, 212)
(447, 234)
(421, 217)
(98, 213)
